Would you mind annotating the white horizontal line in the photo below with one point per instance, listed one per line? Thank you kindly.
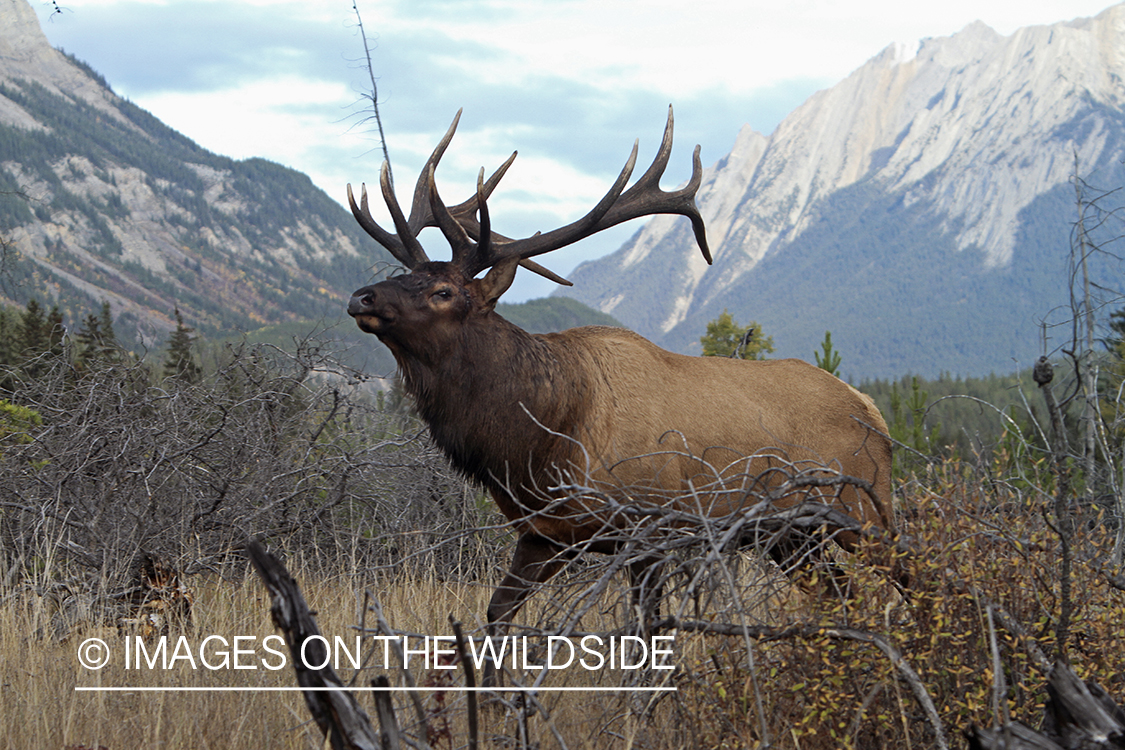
(138, 689)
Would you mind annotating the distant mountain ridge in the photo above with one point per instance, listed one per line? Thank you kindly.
(920, 209)
(551, 314)
(104, 202)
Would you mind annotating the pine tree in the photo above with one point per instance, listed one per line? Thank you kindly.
(9, 336)
(830, 362)
(96, 339)
(34, 340)
(33, 331)
(181, 363)
(105, 323)
(725, 338)
(56, 330)
(89, 338)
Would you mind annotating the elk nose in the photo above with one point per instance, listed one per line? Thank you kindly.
(360, 304)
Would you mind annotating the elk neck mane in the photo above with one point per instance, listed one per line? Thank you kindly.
(479, 401)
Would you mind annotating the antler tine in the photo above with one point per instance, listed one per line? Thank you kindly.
(412, 250)
(652, 175)
(465, 213)
(421, 209)
(460, 226)
(484, 237)
(642, 199)
(476, 247)
(541, 243)
(363, 216)
(393, 244)
(404, 246)
(464, 250)
(482, 231)
(646, 197)
(545, 272)
(421, 215)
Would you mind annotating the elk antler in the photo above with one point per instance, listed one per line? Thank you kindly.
(404, 245)
(476, 247)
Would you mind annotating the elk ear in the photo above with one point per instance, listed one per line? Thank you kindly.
(497, 280)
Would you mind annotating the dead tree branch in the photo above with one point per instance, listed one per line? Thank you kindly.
(1078, 716)
(335, 711)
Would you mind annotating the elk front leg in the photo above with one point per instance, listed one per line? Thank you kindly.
(536, 560)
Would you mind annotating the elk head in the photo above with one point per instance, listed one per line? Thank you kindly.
(416, 313)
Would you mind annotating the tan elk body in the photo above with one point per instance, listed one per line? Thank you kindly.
(599, 407)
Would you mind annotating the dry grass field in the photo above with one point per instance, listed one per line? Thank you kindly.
(40, 674)
(813, 676)
(44, 708)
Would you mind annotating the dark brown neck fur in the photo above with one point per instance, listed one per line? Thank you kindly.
(474, 400)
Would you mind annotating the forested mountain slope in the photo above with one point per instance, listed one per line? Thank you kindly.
(102, 202)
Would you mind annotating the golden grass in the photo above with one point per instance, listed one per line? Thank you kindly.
(816, 691)
(39, 674)
(42, 708)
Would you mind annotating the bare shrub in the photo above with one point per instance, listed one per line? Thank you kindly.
(286, 447)
(788, 661)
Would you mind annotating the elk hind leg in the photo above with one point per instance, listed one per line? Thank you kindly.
(646, 589)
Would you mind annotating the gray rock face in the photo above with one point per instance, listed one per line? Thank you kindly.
(26, 54)
(939, 170)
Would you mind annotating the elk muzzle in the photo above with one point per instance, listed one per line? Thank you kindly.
(371, 313)
(362, 303)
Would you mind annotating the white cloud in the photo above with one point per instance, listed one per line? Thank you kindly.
(568, 82)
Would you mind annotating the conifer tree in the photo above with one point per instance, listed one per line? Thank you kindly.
(726, 338)
(105, 323)
(89, 338)
(55, 330)
(96, 339)
(9, 336)
(181, 363)
(25, 336)
(35, 338)
(33, 330)
(830, 362)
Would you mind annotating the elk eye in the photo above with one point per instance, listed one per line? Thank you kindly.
(443, 294)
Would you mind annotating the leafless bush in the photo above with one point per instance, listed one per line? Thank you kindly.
(286, 447)
(719, 595)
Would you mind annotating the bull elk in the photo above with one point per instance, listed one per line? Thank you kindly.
(516, 411)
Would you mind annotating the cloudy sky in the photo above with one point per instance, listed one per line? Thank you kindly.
(569, 83)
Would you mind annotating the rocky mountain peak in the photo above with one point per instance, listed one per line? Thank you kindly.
(22, 42)
(963, 137)
(26, 54)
